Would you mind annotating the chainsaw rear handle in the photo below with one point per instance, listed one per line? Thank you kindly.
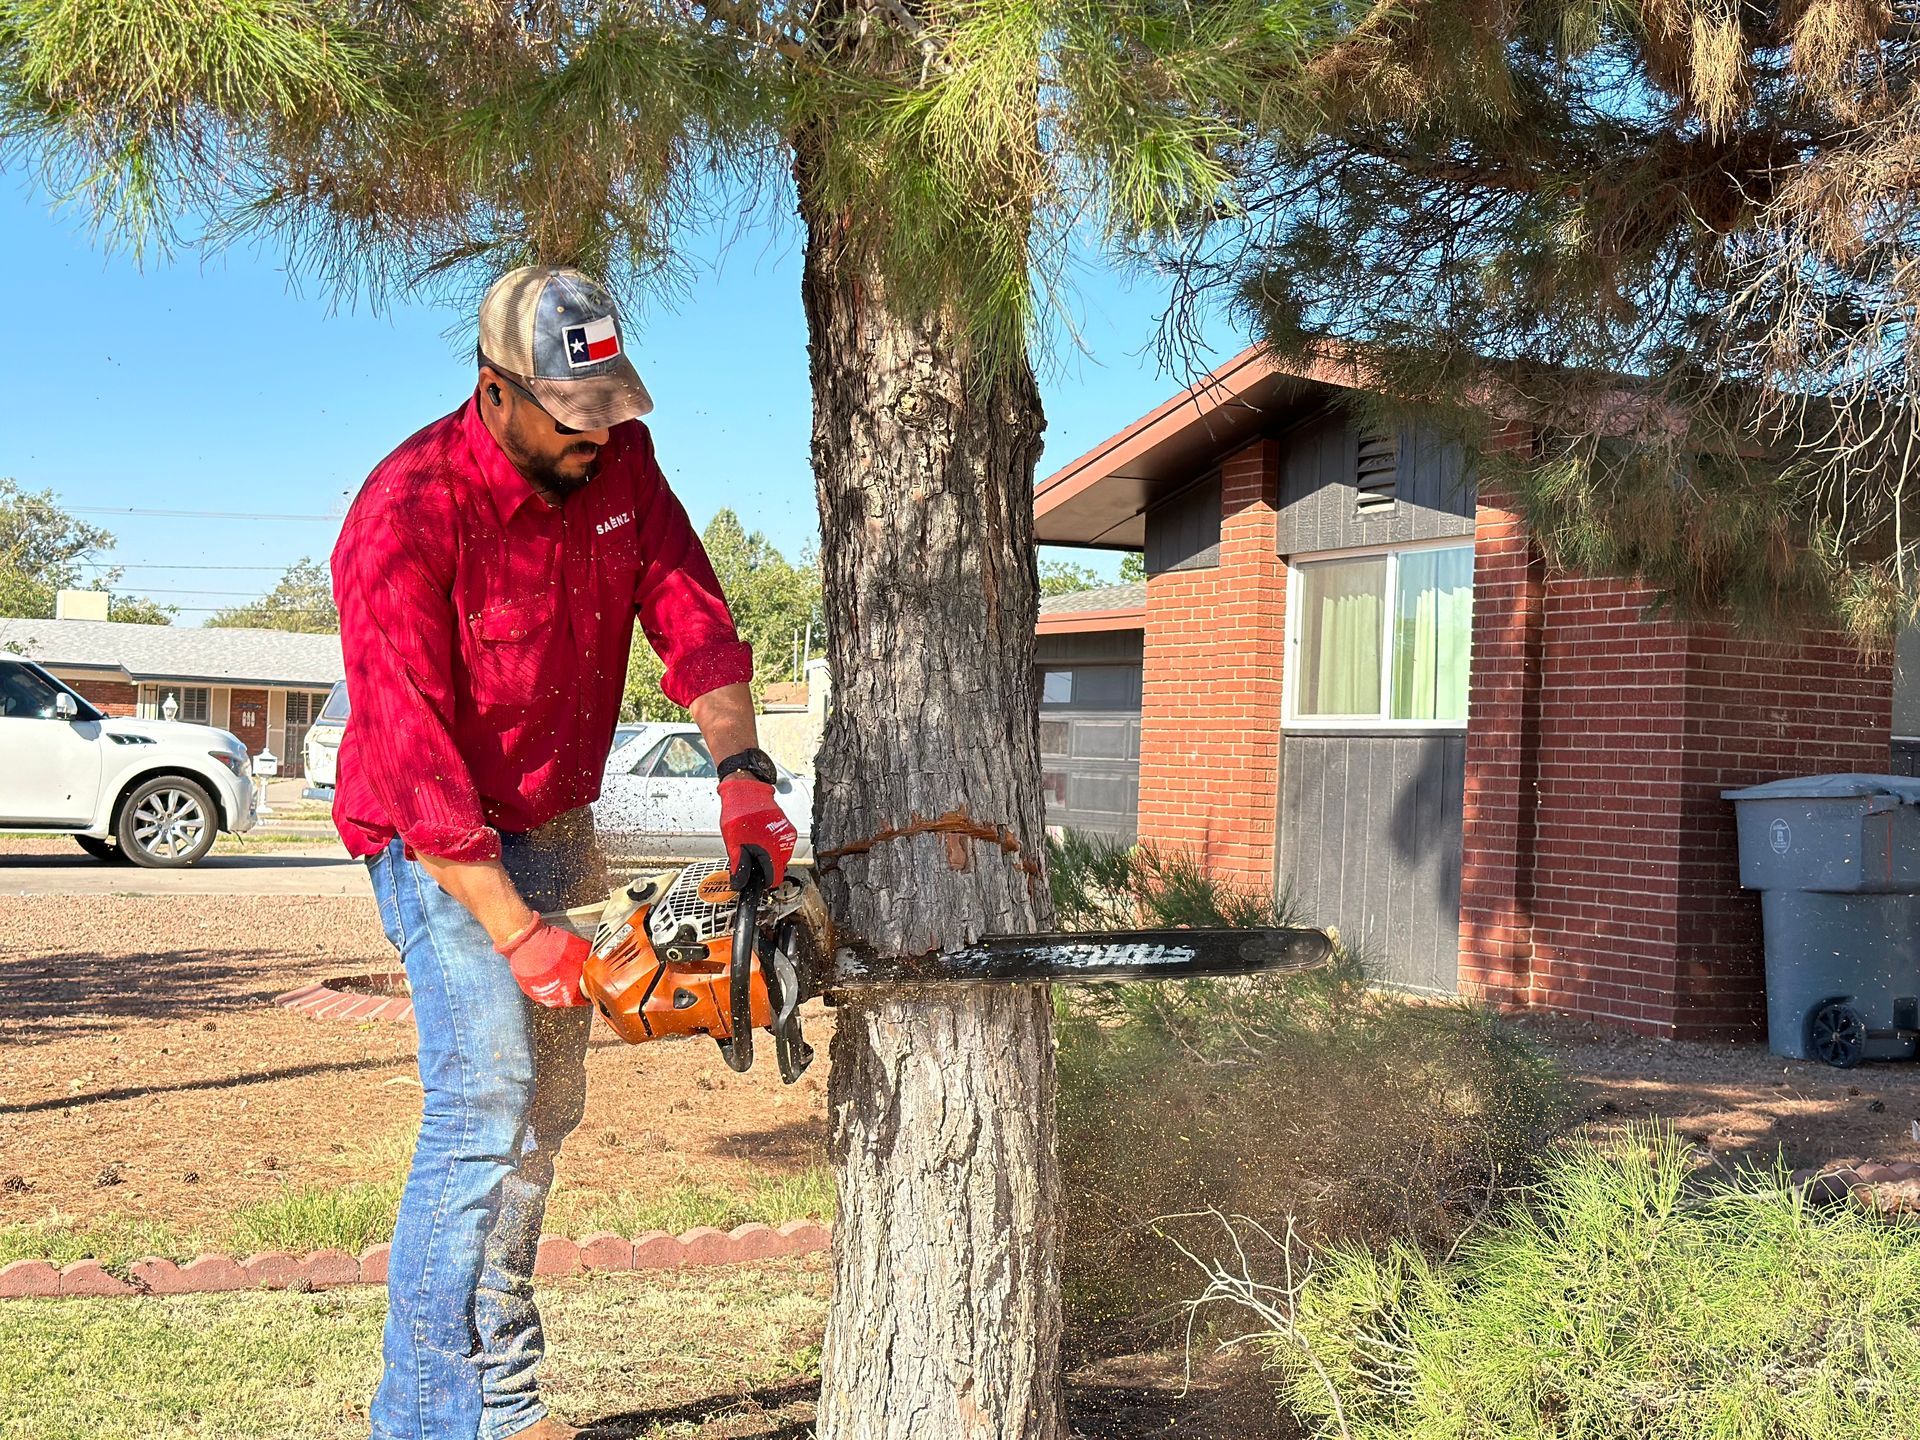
(751, 888)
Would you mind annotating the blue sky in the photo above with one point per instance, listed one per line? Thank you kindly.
(219, 385)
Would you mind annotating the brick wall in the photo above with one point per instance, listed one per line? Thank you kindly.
(112, 696)
(1210, 718)
(1502, 770)
(1601, 864)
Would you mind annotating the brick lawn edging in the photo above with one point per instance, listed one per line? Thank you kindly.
(323, 1001)
(324, 1269)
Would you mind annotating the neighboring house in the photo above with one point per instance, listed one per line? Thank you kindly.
(1352, 675)
(266, 686)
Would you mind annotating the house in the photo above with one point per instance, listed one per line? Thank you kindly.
(266, 686)
(1349, 673)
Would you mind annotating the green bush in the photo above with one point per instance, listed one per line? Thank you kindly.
(1361, 1116)
(1619, 1302)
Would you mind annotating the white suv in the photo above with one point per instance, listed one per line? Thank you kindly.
(151, 791)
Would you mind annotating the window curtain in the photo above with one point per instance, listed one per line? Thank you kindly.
(1345, 600)
(1432, 634)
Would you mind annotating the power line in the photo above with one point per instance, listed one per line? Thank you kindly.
(194, 514)
(116, 565)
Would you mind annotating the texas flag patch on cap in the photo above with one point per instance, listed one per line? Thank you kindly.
(592, 342)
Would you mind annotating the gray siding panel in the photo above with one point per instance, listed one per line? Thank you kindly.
(1318, 511)
(1183, 533)
(1370, 841)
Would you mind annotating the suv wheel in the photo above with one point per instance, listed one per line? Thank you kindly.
(167, 823)
(101, 849)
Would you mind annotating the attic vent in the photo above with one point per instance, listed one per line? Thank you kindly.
(1376, 473)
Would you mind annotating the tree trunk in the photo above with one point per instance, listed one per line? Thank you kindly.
(945, 1321)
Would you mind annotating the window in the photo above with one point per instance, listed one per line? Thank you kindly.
(680, 757)
(195, 703)
(26, 694)
(1056, 687)
(1382, 638)
(336, 706)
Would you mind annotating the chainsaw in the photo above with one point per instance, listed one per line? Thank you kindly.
(682, 952)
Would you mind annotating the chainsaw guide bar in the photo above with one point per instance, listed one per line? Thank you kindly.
(678, 953)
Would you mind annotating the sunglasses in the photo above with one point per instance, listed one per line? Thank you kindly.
(525, 394)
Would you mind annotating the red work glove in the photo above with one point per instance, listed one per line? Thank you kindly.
(755, 828)
(547, 962)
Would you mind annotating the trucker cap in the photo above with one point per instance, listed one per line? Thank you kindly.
(556, 330)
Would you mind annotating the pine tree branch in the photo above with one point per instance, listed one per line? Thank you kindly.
(747, 21)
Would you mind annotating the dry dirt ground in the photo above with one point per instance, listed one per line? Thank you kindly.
(148, 1074)
(1736, 1101)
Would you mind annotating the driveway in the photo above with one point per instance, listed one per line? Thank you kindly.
(319, 869)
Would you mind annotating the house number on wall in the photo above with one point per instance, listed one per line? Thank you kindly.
(249, 715)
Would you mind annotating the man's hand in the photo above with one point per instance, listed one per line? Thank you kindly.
(755, 828)
(547, 963)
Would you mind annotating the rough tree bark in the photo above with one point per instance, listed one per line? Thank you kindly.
(945, 1320)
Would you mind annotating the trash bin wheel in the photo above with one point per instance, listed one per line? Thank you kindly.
(1837, 1034)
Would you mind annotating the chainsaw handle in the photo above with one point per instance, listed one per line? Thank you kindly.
(751, 888)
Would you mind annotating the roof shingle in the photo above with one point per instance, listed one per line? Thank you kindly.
(166, 652)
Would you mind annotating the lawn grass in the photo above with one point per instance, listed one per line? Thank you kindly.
(304, 1218)
(770, 1200)
(264, 1365)
(115, 1243)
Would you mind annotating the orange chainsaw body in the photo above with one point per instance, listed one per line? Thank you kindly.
(663, 951)
(644, 997)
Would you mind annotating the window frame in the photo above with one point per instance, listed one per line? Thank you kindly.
(1297, 565)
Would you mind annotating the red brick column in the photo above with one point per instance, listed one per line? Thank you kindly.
(1210, 722)
(1496, 873)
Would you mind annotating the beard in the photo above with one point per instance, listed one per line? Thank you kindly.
(546, 474)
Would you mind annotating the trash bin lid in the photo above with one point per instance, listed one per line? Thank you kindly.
(1904, 788)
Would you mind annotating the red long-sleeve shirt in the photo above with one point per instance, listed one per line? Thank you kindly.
(486, 635)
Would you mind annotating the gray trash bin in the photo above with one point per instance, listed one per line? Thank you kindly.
(1837, 861)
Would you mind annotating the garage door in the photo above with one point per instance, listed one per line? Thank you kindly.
(1090, 747)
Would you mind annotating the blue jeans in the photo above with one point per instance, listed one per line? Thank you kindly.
(505, 1083)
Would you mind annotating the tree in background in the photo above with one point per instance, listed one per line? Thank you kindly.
(944, 157)
(1064, 577)
(302, 599)
(1133, 568)
(44, 550)
(1675, 241)
(770, 599)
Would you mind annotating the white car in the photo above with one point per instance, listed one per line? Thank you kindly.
(321, 754)
(658, 800)
(155, 792)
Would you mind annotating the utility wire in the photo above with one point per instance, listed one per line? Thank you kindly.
(194, 514)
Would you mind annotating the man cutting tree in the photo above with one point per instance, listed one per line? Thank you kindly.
(488, 577)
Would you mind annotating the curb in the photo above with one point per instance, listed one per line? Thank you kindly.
(323, 1001)
(1888, 1188)
(325, 1269)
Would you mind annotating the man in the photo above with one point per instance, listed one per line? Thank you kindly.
(488, 577)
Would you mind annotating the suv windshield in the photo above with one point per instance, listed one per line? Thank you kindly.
(336, 706)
